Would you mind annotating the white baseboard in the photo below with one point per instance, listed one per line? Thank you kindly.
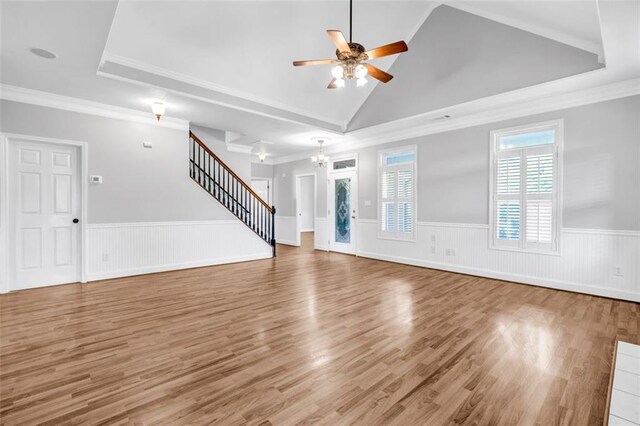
(288, 243)
(173, 267)
(321, 247)
(523, 279)
(587, 261)
(307, 230)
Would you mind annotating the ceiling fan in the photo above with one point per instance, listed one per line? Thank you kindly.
(352, 58)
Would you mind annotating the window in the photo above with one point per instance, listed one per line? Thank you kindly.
(349, 163)
(525, 185)
(397, 200)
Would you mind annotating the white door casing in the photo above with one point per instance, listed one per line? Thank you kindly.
(44, 199)
(346, 212)
(262, 187)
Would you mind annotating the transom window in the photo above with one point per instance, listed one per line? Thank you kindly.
(397, 194)
(525, 164)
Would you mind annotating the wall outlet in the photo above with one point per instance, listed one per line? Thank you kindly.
(433, 250)
(450, 252)
(618, 271)
(105, 257)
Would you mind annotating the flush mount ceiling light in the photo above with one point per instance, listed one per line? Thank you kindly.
(352, 58)
(158, 108)
(320, 160)
(43, 53)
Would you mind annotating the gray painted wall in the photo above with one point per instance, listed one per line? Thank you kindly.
(140, 184)
(261, 170)
(284, 187)
(448, 63)
(601, 169)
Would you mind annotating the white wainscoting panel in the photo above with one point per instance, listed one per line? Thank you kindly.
(122, 249)
(286, 230)
(587, 262)
(321, 237)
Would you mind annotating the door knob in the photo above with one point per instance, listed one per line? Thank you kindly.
(76, 220)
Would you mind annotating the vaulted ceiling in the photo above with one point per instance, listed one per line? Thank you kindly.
(227, 64)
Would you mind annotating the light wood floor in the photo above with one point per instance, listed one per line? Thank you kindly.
(309, 337)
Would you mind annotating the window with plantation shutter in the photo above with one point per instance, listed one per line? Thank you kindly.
(397, 200)
(525, 163)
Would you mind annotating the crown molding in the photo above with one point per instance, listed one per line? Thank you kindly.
(489, 110)
(242, 149)
(67, 103)
(194, 81)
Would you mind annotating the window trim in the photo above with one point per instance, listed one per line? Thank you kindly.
(382, 235)
(494, 135)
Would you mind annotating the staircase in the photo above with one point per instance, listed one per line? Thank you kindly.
(215, 177)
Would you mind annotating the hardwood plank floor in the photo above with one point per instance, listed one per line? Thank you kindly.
(309, 337)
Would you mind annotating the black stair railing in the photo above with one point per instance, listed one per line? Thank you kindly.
(215, 177)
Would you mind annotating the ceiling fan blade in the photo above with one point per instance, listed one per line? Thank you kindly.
(387, 49)
(378, 74)
(338, 39)
(332, 84)
(314, 62)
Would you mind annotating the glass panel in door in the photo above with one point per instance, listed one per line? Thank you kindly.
(343, 210)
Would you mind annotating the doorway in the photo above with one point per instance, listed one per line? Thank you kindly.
(262, 187)
(45, 212)
(342, 202)
(305, 207)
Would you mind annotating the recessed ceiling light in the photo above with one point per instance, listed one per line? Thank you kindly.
(43, 53)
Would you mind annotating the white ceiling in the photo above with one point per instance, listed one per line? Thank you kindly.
(246, 48)
(233, 58)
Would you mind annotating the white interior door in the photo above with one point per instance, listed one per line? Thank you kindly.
(45, 206)
(343, 199)
(261, 187)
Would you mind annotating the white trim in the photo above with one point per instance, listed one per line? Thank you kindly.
(173, 267)
(540, 30)
(194, 81)
(524, 279)
(315, 201)
(515, 104)
(395, 235)
(288, 243)
(242, 149)
(556, 196)
(612, 232)
(166, 223)
(83, 148)
(594, 231)
(4, 214)
(67, 103)
(455, 225)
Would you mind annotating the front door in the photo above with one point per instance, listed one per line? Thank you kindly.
(44, 182)
(343, 187)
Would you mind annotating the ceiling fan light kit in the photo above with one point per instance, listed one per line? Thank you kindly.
(352, 58)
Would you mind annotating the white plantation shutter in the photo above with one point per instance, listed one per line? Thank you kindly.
(388, 197)
(397, 195)
(525, 189)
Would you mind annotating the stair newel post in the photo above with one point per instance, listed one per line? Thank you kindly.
(273, 229)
